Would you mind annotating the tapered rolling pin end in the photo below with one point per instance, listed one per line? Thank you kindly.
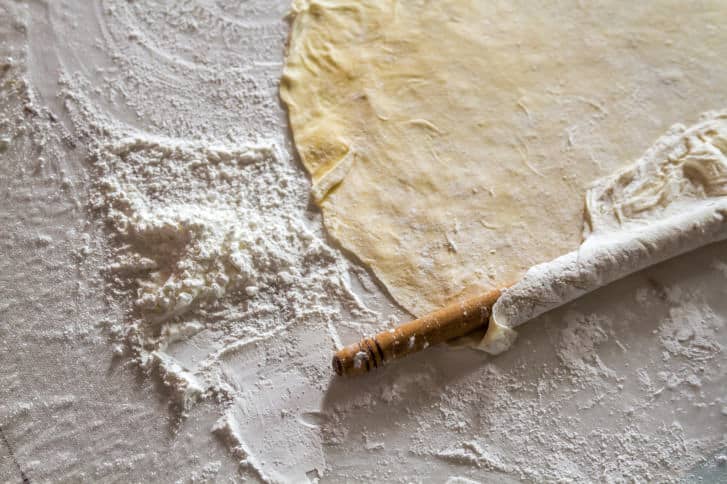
(360, 357)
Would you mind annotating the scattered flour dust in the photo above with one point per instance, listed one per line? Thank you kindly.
(211, 249)
(222, 273)
(206, 239)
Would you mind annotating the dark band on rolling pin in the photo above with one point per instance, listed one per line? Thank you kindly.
(368, 365)
(371, 353)
(378, 348)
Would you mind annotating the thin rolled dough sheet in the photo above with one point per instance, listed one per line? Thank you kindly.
(450, 143)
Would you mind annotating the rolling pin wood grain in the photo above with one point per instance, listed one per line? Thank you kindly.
(453, 321)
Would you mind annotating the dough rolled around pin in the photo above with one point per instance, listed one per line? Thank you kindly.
(671, 201)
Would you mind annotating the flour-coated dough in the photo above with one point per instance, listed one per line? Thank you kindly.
(450, 142)
(671, 201)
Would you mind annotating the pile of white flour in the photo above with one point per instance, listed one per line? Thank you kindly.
(212, 240)
(233, 295)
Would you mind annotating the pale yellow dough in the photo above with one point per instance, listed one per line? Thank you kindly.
(450, 143)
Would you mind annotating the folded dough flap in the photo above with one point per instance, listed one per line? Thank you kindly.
(327, 181)
(671, 201)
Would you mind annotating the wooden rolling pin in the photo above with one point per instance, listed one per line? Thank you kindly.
(453, 321)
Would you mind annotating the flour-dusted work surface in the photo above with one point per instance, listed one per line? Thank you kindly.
(171, 300)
